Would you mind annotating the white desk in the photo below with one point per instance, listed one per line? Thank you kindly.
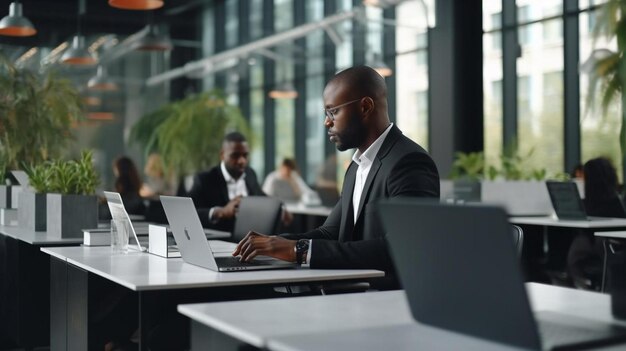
(149, 275)
(608, 224)
(37, 238)
(616, 234)
(299, 208)
(366, 321)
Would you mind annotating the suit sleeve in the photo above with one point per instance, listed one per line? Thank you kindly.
(415, 175)
(201, 200)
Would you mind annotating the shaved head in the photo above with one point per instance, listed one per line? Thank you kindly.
(363, 81)
(355, 101)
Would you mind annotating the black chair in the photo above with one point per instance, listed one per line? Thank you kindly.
(518, 238)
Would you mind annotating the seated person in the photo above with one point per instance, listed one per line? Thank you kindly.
(128, 183)
(386, 164)
(218, 191)
(286, 184)
(586, 254)
(158, 180)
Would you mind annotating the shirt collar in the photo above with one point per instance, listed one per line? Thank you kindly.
(366, 158)
(227, 176)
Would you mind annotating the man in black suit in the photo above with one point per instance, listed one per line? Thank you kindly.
(218, 192)
(386, 164)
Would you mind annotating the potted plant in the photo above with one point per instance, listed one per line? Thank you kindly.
(36, 114)
(62, 200)
(71, 202)
(607, 69)
(188, 133)
(32, 211)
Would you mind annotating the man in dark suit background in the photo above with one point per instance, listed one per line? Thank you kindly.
(217, 193)
(386, 164)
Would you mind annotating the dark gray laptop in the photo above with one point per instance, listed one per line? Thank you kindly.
(567, 203)
(194, 246)
(459, 267)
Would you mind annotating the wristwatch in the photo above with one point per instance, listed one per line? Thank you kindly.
(302, 247)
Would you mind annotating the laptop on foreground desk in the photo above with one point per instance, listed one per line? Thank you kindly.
(460, 270)
(194, 246)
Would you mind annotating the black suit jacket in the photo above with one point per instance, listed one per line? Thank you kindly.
(400, 169)
(209, 190)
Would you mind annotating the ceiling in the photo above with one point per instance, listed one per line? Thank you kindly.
(56, 21)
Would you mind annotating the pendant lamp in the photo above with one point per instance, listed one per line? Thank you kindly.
(136, 4)
(78, 54)
(15, 24)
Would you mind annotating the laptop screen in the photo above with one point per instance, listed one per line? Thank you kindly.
(459, 267)
(566, 200)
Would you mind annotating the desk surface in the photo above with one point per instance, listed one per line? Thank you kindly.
(609, 223)
(321, 322)
(299, 208)
(141, 271)
(37, 238)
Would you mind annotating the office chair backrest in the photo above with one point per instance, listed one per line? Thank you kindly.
(258, 213)
(518, 238)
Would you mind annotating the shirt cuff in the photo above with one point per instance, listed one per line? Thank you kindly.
(211, 219)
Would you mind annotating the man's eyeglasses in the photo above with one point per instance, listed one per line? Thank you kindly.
(331, 112)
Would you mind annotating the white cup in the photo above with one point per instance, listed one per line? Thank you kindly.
(120, 232)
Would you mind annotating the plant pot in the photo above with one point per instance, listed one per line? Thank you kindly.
(32, 212)
(68, 215)
(15, 195)
(466, 190)
(5, 196)
(518, 197)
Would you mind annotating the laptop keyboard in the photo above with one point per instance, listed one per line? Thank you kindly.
(231, 261)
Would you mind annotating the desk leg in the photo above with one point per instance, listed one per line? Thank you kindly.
(58, 304)
(205, 338)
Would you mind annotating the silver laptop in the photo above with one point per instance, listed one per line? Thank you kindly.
(196, 249)
(118, 212)
(567, 202)
(460, 270)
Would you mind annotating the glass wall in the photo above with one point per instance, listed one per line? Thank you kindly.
(599, 131)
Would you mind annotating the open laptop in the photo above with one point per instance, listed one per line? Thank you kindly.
(459, 267)
(196, 249)
(567, 202)
(118, 212)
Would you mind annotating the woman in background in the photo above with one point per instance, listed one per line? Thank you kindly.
(586, 254)
(158, 179)
(128, 183)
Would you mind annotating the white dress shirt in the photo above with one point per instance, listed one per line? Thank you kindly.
(364, 161)
(236, 187)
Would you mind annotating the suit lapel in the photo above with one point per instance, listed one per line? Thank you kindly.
(390, 140)
(223, 187)
(347, 214)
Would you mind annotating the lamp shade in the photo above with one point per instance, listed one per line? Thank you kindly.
(15, 24)
(101, 81)
(136, 4)
(153, 41)
(283, 91)
(77, 54)
(379, 66)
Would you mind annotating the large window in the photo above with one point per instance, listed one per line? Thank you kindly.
(599, 131)
(492, 80)
(412, 71)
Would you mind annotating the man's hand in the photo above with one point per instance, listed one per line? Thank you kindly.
(255, 244)
(228, 211)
